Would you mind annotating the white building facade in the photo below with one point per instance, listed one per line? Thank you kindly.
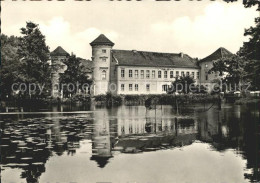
(137, 72)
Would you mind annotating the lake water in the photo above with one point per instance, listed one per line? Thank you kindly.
(129, 144)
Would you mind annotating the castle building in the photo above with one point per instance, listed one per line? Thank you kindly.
(58, 56)
(138, 72)
(207, 63)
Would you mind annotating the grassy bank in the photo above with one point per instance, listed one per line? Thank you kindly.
(248, 100)
(164, 99)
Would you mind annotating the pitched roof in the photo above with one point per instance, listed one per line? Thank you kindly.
(59, 51)
(154, 59)
(102, 40)
(219, 53)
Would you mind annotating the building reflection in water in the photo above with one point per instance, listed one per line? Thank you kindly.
(28, 143)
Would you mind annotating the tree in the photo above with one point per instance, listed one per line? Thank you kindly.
(34, 55)
(232, 71)
(9, 71)
(250, 51)
(183, 84)
(76, 73)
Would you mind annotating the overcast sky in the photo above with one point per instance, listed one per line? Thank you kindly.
(194, 27)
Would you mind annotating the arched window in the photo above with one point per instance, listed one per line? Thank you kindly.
(103, 75)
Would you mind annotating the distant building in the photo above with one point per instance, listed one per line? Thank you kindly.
(206, 64)
(138, 72)
(58, 56)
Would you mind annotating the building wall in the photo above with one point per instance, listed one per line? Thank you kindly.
(101, 57)
(156, 83)
(207, 78)
(58, 67)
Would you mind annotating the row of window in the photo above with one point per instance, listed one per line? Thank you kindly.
(165, 74)
(136, 87)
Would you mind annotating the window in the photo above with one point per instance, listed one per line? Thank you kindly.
(136, 73)
(153, 74)
(147, 74)
(182, 74)
(122, 73)
(103, 75)
(104, 51)
(187, 73)
(122, 87)
(192, 75)
(136, 87)
(198, 75)
(177, 74)
(142, 74)
(130, 87)
(206, 76)
(159, 74)
(171, 74)
(130, 73)
(164, 87)
(165, 74)
(103, 59)
(147, 87)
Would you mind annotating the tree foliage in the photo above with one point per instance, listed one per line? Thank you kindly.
(183, 84)
(34, 56)
(10, 64)
(246, 65)
(76, 73)
(231, 69)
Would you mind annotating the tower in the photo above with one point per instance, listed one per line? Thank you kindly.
(58, 56)
(101, 57)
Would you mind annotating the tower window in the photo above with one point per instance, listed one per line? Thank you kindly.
(206, 76)
(104, 51)
(159, 74)
(103, 59)
(171, 74)
(103, 75)
(130, 73)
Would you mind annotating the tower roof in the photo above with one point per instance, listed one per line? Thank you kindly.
(59, 51)
(219, 53)
(102, 40)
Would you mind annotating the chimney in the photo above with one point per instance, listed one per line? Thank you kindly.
(181, 54)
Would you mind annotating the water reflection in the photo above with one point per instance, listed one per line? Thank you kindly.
(28, 142)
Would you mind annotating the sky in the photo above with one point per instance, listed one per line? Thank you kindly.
(196, 28)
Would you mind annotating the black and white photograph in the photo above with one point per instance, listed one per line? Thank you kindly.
(121, 91)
